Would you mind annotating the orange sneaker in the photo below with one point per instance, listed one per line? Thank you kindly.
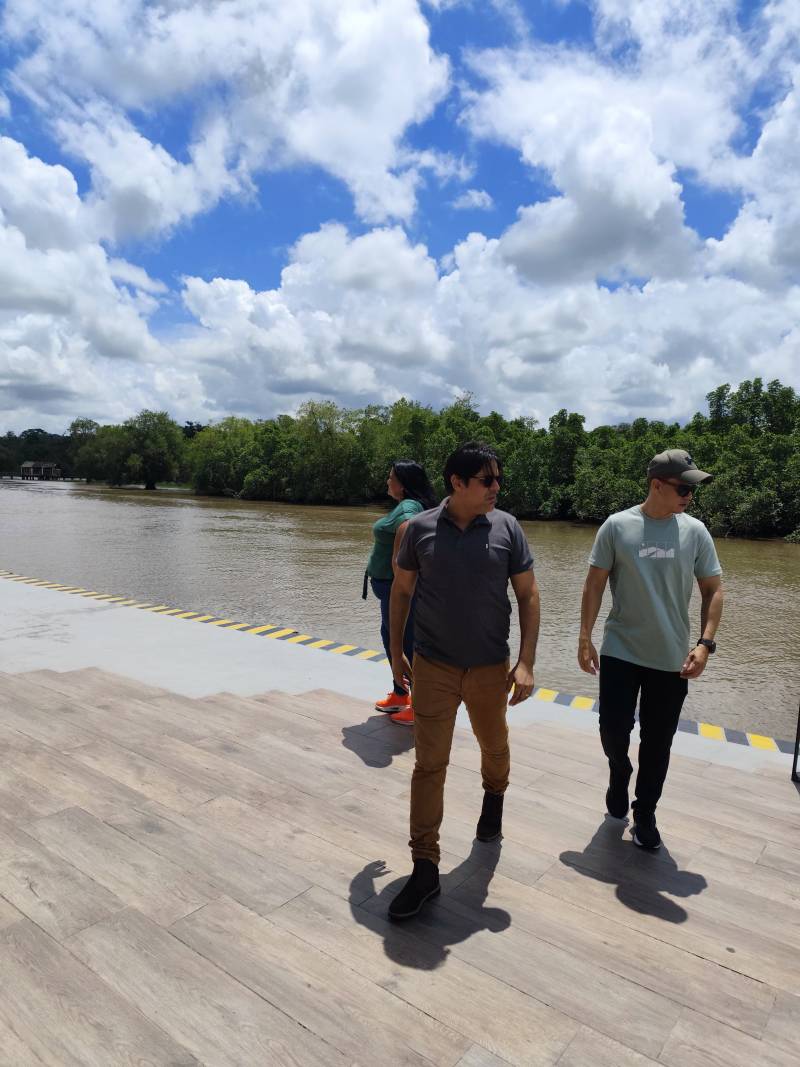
(393, 702)
(405, 717)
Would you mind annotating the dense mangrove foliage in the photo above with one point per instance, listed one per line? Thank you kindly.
(749, 438)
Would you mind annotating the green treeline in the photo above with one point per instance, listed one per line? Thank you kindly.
(750, 439)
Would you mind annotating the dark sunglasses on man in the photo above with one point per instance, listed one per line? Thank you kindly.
(488, 480)
(682, 489)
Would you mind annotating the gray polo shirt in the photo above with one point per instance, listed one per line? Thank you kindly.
(463, 613)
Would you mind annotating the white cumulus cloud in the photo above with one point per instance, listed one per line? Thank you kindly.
(71, 337)
(474, 200)
(334, 83)
(600, 297)
(366, 319)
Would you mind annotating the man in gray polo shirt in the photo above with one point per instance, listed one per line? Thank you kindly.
(652, 553)
(460, 558)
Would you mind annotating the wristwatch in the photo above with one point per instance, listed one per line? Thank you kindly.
(710, 645)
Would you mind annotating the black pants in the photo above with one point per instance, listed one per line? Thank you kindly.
(661, 695)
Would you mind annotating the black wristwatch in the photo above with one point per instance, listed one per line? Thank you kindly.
(710, 645)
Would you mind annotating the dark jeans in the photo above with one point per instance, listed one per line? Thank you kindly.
(382, 588)
(661, 695)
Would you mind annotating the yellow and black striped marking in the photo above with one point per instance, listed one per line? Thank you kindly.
(294, 637)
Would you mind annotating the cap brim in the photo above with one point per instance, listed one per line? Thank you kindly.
(696, 477)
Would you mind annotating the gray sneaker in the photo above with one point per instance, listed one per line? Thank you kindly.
(617, 794)
(645, 831)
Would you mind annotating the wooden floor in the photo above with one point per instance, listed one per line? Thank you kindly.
(206, 881)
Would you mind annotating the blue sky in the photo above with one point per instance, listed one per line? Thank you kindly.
(229, 207)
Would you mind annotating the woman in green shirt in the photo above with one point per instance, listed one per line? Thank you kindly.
(407, 484)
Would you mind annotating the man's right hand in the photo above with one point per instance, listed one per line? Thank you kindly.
(401, 669)
(588, 660)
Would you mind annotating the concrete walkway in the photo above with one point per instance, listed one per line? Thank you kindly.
(41, 628)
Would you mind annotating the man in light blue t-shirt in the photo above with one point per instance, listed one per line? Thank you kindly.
(652, 553)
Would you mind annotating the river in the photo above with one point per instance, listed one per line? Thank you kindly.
(303, 566)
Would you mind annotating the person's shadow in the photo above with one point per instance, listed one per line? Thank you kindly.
(377, 749)
(423, 941)
(641, 879)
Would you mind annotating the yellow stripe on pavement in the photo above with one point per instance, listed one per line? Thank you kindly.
(239, 626)
(202, 618)
(322, 643)
(220, 622)
(283, 633)
(342, 649)
(368, 653)
(715, 733)
(546, 694)
(759, 741)
(582, 703)
(297, 638)
(186, 615)
(262, 629)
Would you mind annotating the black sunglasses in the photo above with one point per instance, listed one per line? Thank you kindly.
(487, 480)
(681, 488)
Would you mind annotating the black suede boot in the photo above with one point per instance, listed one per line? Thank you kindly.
(422, 886)
(490, 824)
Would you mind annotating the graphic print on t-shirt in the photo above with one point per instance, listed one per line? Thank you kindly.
(657, 550)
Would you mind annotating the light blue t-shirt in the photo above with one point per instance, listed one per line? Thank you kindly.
(653, 564)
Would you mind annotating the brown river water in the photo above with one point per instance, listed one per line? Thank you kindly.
(302, 567)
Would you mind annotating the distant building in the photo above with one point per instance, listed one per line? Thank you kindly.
(40, 470)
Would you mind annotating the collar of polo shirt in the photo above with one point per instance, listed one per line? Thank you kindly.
(479, 520)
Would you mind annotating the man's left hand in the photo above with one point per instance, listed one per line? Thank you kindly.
(520, 678)
(695, 662)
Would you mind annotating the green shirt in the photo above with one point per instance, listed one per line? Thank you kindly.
(653, 564)
(384, 530)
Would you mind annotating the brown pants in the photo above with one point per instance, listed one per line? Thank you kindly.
(438, 691)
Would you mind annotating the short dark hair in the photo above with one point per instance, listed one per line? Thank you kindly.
(468, 460)
(416, 486)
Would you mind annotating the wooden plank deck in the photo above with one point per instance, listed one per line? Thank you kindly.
(206, 882)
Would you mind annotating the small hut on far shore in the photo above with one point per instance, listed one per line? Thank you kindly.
(40, 470)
